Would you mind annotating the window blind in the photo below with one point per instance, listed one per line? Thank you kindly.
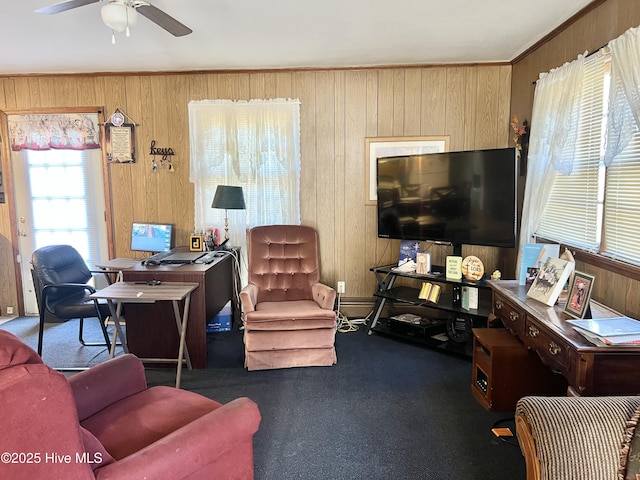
(573, 214)
(622, 205)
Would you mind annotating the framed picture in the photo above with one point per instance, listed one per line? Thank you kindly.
(120, 142)
(579, 294)
(377, 147)
(196, 243)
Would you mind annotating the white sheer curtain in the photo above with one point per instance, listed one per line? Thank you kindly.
(254, 144)
(623, 119)
(554, 127)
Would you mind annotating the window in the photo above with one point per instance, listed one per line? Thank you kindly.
(595, 208)
(64, 211)
(254, 144)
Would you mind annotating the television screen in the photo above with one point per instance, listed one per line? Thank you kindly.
(151, 237)
(466, 197)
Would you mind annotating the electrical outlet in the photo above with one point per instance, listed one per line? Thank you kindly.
(341, 287)
(9, 310)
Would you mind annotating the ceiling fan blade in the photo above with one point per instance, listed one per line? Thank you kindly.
(163, 20)
(64, 6)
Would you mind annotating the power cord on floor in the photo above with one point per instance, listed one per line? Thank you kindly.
(344, 325)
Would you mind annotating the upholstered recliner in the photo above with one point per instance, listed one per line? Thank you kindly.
(289, 319)
(568, 438)
(105, 423)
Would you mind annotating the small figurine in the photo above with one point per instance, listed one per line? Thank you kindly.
(496, 275)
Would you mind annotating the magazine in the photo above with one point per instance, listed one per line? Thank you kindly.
(551, 279)
(619, 340)
(608, 327)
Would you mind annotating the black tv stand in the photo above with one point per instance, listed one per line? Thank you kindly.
(444, 325)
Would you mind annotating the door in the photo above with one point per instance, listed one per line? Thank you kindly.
(60, 199)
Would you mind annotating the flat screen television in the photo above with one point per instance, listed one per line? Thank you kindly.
(151, 237)
(466, 197)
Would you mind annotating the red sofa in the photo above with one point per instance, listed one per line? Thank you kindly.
(105, 423)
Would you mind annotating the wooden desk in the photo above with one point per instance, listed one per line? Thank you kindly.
(589, 369)
(150, 331)
(119, 293)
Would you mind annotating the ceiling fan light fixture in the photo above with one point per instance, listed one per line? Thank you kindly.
(119, 16)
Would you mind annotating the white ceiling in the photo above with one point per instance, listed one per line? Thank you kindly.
(262, 34)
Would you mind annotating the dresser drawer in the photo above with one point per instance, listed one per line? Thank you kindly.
(511, 317)
(553, 352)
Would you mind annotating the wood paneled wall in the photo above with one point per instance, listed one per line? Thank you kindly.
(339, 108)
(605, 22)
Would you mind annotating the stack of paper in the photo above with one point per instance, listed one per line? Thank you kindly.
(609, 331)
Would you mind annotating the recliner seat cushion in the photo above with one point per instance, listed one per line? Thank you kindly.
(147, 417)
(294, 315)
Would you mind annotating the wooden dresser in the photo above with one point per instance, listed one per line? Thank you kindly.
(590, 370)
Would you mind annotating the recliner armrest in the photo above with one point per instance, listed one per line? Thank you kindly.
(194, 446)
(107, 383)
(323, 295)
(249, 297)
(572, 437)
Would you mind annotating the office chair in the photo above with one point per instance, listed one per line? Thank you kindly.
(60, 277)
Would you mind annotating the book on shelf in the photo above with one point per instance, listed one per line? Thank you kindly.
(409, 250)
(454, 267)
(550, 280)
(469, 298)
(430, 292)
(423, 263)
(533, 256)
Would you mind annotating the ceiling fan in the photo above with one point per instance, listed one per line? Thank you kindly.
(119, 15)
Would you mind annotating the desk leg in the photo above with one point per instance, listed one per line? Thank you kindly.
(116, 314)
(183, 351)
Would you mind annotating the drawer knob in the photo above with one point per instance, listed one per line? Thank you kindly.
(554, 348)
(513, 316)
(533, 331)
(499, 305)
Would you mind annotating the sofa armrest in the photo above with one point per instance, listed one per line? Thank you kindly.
(107, 383)
(249, 298)
(323, 295)
(194, 446)
(565, 438)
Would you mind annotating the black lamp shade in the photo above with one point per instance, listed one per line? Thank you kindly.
(229, 198)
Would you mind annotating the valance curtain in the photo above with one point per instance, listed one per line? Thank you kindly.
(554, 127)
(60, 131)
(623, 118)
(254, 144)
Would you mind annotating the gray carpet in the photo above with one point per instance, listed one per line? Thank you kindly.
(387, 410)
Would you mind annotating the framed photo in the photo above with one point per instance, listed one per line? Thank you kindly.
(377, 147)
(196, 243)
(579, 294)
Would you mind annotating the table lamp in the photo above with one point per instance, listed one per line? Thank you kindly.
(229, 198)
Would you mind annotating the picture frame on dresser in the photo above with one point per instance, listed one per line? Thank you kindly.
(579, 295)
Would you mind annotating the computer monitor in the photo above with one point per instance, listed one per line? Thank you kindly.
(151, 237)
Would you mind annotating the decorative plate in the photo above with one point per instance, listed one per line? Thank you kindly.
(472, 268)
